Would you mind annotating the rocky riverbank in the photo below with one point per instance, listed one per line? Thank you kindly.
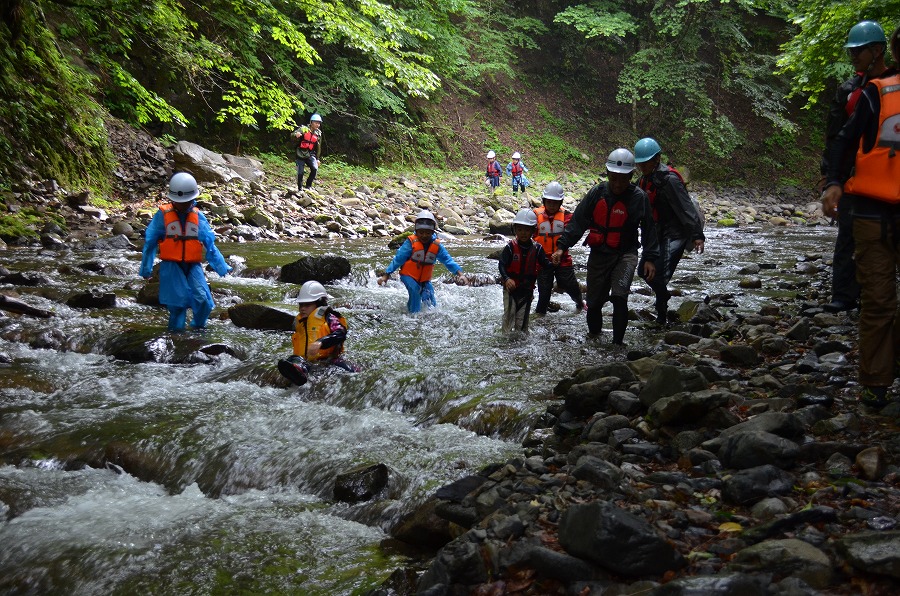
(245, 203)
(733, 458)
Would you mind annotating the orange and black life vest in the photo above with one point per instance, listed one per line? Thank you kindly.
(523, 270)
(421, 263)
(549, 229)
(308, 140)
(181, 243)
(646, 184)
(517, 168)
(608, 222)
(313, 328)
(877, 173)
(493, 169)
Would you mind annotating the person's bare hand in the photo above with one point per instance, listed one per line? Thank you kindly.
(830, 198)
(510, 285)
(699, 246)
(649, 271)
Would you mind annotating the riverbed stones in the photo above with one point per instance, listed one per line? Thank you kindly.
(260, 316)
(324, 269)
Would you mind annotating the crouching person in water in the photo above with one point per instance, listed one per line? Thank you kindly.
(416, 258)
(520, 261)
(319, 335)
(181, 233)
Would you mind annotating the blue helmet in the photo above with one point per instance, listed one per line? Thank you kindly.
(646, 149)
(315, 118)
(864, 33)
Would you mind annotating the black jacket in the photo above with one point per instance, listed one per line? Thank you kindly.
(640, 218)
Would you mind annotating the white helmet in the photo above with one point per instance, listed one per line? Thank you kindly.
(425, 220)
(311, 291)
(516, 155)
(315, 118)
(491, 154)
(183, 188)
(620, 161)
(553, 192)
(525, 217)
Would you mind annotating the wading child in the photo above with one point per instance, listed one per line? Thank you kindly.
(520, 262)
(516, 170)
(416, 258)
(181, 234)
(492, 173)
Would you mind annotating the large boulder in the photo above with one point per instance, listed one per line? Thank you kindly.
(203, 164)
(259, 316)
(323, 269)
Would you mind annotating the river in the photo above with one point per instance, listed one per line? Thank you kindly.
(238, 496)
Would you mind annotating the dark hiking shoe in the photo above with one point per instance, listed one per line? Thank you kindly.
(836, 306)
(874, 397)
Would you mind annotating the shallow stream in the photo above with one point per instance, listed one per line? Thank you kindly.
(238, 493)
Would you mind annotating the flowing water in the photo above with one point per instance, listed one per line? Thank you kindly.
(237, 474)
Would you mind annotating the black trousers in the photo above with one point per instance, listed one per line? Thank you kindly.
(565, 278)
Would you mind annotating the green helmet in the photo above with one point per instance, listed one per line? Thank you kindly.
(864, 33)
(646, 149)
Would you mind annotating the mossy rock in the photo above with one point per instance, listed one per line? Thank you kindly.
(398, 240)
(727, 223)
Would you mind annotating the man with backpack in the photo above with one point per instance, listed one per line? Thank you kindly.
(678, 221)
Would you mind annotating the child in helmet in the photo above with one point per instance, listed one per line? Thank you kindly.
(308, 139)
(516, 170)
(520, 261)
(181, 234)
(319, 335)
(551, 221)
(416, 258)
(493, 172)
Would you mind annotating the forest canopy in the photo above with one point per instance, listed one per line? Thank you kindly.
(689, 71)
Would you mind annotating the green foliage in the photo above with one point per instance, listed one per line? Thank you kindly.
(599, 19)
(49, 125)
(814, 59)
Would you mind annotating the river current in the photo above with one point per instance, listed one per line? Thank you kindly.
(239, 490)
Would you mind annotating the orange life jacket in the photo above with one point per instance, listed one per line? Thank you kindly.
(646, 184)
(181, 243)
(308, 140)
(313, 328)
(607, 223)
(524, 271)
(421, 263)
(517, 168)
(493, 169)
(877, 173)
(549, 229)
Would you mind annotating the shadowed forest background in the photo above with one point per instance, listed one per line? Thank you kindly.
(735, 91)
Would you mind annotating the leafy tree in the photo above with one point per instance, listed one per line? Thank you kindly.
(814, 59)
(678, 59)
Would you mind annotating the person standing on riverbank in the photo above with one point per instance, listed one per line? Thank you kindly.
(492, 173)
(677, 221)
(416, 258)
(551, 221)
(865, 45)
(520, 261)
(181, 233)
(309, 150)
(319, 335)
(874, 195)
(516, 170)
(613, 212)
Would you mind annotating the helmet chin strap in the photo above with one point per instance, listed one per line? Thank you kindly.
(872, 62)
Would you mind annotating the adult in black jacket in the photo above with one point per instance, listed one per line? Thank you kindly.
(866, 46)
(612, 212)
(678, 222)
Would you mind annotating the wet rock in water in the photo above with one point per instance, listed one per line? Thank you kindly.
(10, 304)
(141, 346)
(120, 242)
(751, 282)
(149, 294)
(423, 528)
(93, 298)
(26, 278)
(361, 484)
(259, 316)
(323, 269)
